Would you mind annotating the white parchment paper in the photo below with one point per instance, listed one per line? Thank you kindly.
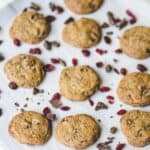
(50, 84)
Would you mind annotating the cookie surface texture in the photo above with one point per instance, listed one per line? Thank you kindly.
(78, 131)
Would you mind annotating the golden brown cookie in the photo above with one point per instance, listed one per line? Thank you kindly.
(30, 27)
(78, 131)
(83, 33)
(134, 89)
(83, 6)
(79, 82)
(135, 126)
(25, 70)
(30, 128)
(135, 42)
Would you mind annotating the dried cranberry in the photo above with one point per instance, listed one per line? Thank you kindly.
(55, 101)
(111, 101)
(110, 97)
(121, 112)
(91, 102)
(133, 17)
(107, 39)
(86, 52)
(50, 18)
(35, 51)
(141, 68)
(118, 51)
(100, 51)
(13, 85)
(59, 9)
(99, 64)
(55, 60)
(120, 146)
(123, 71)
(56, 96)
(65, 108)
(105, 89)
(49, 68)
(17, 42)
(74, 61)
(46, 110)
(51, 116)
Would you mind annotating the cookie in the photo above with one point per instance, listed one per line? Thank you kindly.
(29, 27)
(79, 82)
(30, 128)
(83, 33)
(135, 126)
(83, 6)
(135, 42)
(134, 89)
(25, 70)
(78, 131)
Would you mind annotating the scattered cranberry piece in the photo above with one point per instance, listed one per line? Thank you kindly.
(35, 51)
(56, 96)
(55, 60)
(49, 68)
(74, 61)
(107, 39)
(120, 146)
(133, 17)
(118, 51)
(105, 89)
(121, 112)
(100, 51)
(50, 18)
(99, 64)
(141, 68)
(13, 85)
(91, 102)
(123, 71)
(65, 108)
(111, 101)
(86, 52)
(46, 110)
(110, 97)
(17, 42)
(70, 19)
(51, 116)
(59, 9)
(55, 101)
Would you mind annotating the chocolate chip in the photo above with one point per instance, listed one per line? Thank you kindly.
(108, 68)
(105, 25)
(113, 130)
(13, 85)
(107, 39)
(101, 105)
(1, 112)
(37, 91)
(111, 17)
(16, 104)
(123, 24)
(1, 57)
(35, 6)
(1, 41)
(70, 19)
(50, 18)
(141, 68)
(48, 45)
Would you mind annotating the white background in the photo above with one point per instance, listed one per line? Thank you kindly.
(50, 84)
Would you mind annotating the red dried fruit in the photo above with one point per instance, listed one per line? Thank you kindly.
(17, 42)
(100, 51)
(118, 51)
(111, 101)
(123, 71)
(55, 101)
(91, 102)
(46, 110)
(50, 18)
(133, 17)
(51, 116)
(70, 19)
(99, 64)
(121, 112)
(120, 146)
(86, 52)
(104, 89)
(13, 85)
(110, 97)
(49, 68)
(141, 68)
(55, 60)
(74, 61)
(59, 9)
(35, 51)
(65, 108)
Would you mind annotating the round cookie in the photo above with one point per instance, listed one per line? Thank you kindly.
(134, 89)
(78, 131)
(25, 70)
(83, 6)
(135, 126)
(79, 82)
(135, 42)
(30, 128)
(83, 33)
(29, 27)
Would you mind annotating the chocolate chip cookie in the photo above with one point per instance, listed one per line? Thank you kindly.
(135, 42)
(78, 131)
(135, 126)
(79, 82)
(134, 89)
(25, 70)
(83, 6)
(30, 27)
(30, 128)
(83, 33)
